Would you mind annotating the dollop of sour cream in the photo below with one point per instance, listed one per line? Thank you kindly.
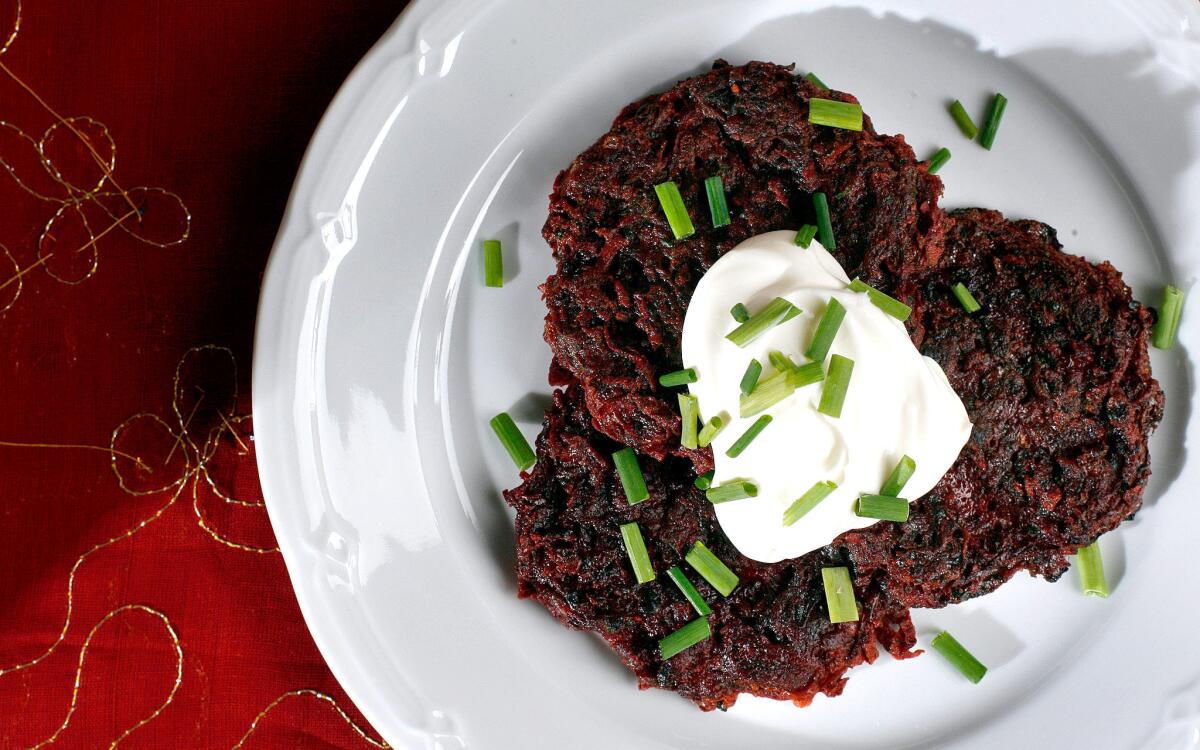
(898, 401)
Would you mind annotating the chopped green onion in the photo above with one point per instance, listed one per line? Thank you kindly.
(631, 476)
(839, 594)
(751, 432)
(827, 328)
(1091, 571)
(807, 502)
(963, 120)
(962, 660)
(835, 114)
(739, 313)
(711, 429)
(689, 635)
(824, 222)
(938, 160)
(704, 481)
(689, 591)
(807, 374)
(493, 264)
(804, 237)
(888, 304)
(768, 393)
(710, 567)
(513, 441)
(899, 477)
(689, 414)
(780, 361)
(675, 210)
(837, 381)
(735, 490)
(817, 81)
(750, 378)
(988, 136)
(965, 298)
(716, 201)
(775, 312)
(1167, 324)
(635, 547)
(679, 377)
(882, 507)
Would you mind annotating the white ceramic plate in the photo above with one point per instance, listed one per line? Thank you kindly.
(380, 356)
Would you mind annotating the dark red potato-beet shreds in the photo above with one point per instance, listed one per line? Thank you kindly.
(1053, 371)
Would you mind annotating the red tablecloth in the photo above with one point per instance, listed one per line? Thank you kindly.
(144, 603)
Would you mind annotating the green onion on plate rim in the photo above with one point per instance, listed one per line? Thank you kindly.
(988, 135)
(963, 120)
(493, 264)
(962, 660)
(1091, 571)
(1167, 325)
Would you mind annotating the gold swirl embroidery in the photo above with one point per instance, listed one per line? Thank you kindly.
(87, 642)
(373, 742)
(145, 204)
(75, 199)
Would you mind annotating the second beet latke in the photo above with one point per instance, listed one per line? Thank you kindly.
(1053, 371)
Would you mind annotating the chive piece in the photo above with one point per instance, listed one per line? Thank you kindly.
(513, 441)
(689, 415)
(675, 210)
(736, 490)
(988, 136)
(739, 313)
(679, 377)
(962, 660)
(837, 381)
(776, 311)
(751, 432)
(1091, 571)
(963, 120)
(804, 237)
(493, 264)
(807, 502)
(938, 160)
(824, 223)
(631, 476)
(835, 114)
(711, 569)
(704, 481)
(899, 477)
(1167, 324)
(710, 430)
(689, 635)
(827, 328)
(635, 547)
(750, 378)
(768, 393)
(716, 201)
(882, 507)
(839, 594)
(780, 361)
(965, 298)
(812, 77)
(887, 303)
(689, 591)
(807, 374)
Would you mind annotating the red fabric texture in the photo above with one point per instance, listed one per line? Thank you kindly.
(190, 623)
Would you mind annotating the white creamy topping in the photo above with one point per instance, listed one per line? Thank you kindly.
(898, 402)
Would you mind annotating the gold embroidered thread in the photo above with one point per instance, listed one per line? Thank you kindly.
(379, 743)
(87, 642)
